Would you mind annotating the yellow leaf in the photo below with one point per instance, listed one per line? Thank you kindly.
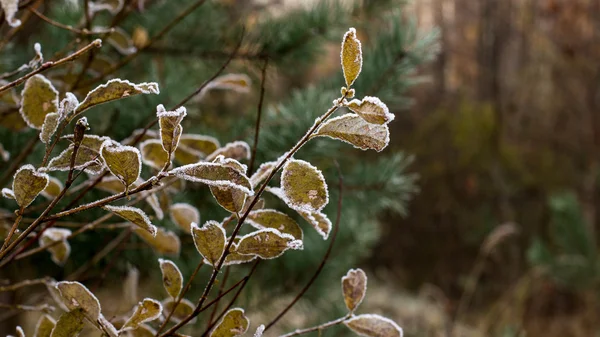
(352, 129)
(270, 218)
(146, 311)
(354, 288)
(351, 56)
(76, 296)
(164, 242)
(38, 99)
(124, 162)
(135, 215)
(267, 243)
(370, 325)
(44, 326)
(234, 323)
(372, 110)
(304, 186)
(170, 127)
(209, 240)
(27, 184)
(172, 278)
(183, 215)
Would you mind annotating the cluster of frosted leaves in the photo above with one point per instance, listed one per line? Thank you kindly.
(170, 127)
(28, 183)
(60, 251)
(10, 8)
(135, 216)
(38, 99)
(88, 156)
(183, 215)
(234, 323)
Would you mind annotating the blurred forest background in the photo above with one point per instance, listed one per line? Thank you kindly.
(479, 220)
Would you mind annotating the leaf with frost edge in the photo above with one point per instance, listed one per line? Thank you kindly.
(245, 149)
(381, 117)
(308, 207)
(184, 302)
(45, 319)
(231, 331)
(92, 299)
(52, 235)
(206, 228)
(122, 149)
(118, 210)
(250, 220)
(8, 193)
(181, 206)
(180, 172)
(291, 244)
(350, 36)
(158, 313)
(174, 118)
(331, 123)
(145, 160)
(35, 173)
(49, 127)
(26, 88)
(178, 277)
(373, 317)
(346, 285)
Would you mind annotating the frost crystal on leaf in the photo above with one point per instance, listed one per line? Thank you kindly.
(183, 215)
(124, 162)
(172, 278)
(146, 311)
(170, 126)
(372, 110)
(164, 242)
(214, 174)
(259, 331)
(354, 288)
(39, 98)
(267, 243)
(76, 296)
(270, 218)
(234, 323)
(135, 215)
(10, 8)
(351, 56)
(237, 150)
(183, 310)
(209, 240)
(27, 184)
(352, 129)
(8, 193)
(304, 186)
(68, 104)
(50, 125)
(153, 153)
(371, 325)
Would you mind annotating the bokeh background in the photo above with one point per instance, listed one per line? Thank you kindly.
(480, 217)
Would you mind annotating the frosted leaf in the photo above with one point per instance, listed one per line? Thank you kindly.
(111, 184)
(214, 174)
(170, 126)
(220, 159)
(146, 311)
(53, 189)
(172, 278)
(371, 325)
(113, 6)
(354, 130)
(183, 310)
(55, 294)
(267, 243)
(234, 323)
(354, 288)
(120, 40)
(107, 327)
(183, 215)
(259, 331)
(262, 173)
(88, 155)
(124, 162)
(50, 125)
(44, 326)
(164, 242)
(236, 258)
(76, 296)
(60, 252)
(113, 90)
(203, 144)
(270, 218)
(230, 199)
(260, 204)
(93, 142)
(152, 200)
(8, 193)
(5, 155)
(68, 104)
(130, 286)
(209, 240)
(27, 184)
(10, 8)
(135, 215)
(237, 150)
(304, 186)
(236, 82)
(153, 153)
(143, 330)
(372, 110)
(39, 98)
(69, 324)
(351, 56)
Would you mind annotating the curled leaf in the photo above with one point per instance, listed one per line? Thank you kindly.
(183, 310)
(270, 218)
(304, 186)
(209, 240)
(172, 278)
(351, 56)
(8, 193)
(214, 174)
(267, 243)
(44, 326)
(59, 252)
(10, 8)
(237, 150)
(372, 110)
(49, 126)
(234, 323)
(170, 127)
(183, 215)
(146, 311)
(135, 215)
(153, 153)
(319, 221)
(39, 98)
(27, 184)
(352, 129)
(76, 296)
(371, 325)
(354, 288)
(69, 324)
(124, 162)
(164, 242)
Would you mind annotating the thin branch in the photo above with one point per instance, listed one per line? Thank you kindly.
(42, 307)
(26, 283)
(68, 27)
(258, 115)
(51, 64)
(318, 327)
(325, 257)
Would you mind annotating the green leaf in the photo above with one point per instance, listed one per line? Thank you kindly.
(39, 98)
(164, 242)
(153, 153)
(44, 326)
(304, 186)
(209, 240)
(214, 174)
(233, 323)
(27, 184)
(354, 288)
(170, 127)
(172, 278)
(372, 110)
(270, 218)
(183, 215)
(351, 56)
(69, 324)
(135, 215)
(75, 295)
(267, 243)
(146, 311)
(371, 325)
(352, 129)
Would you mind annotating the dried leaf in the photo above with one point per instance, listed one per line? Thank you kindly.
(8, 193)
(153, 153)
(170, 126)
(39, 98)
(262, 173)
(49, 126)
(10, 8)
(183, 215)
(237, 150)
(113, 90)
(371, 325)
(267, 243)
(270, 218)
(60, 252)
(233, 323)
(69, 324)
(44, 326)
(372, 110)
(27, 184)
(76, 296)
(354, 288)
(164, 242)
(172, 278)
(203, 144)
(352, 129)
(214, 174)
(304, 186)
(146, 311)
(123, 161)
(351, 56)
(120, 40)
(236, 82)
(183, 310)
(135, 215)
(209, 240)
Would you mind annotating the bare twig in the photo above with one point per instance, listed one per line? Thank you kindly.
(13, 228)
(26, 283)
(42, 307)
